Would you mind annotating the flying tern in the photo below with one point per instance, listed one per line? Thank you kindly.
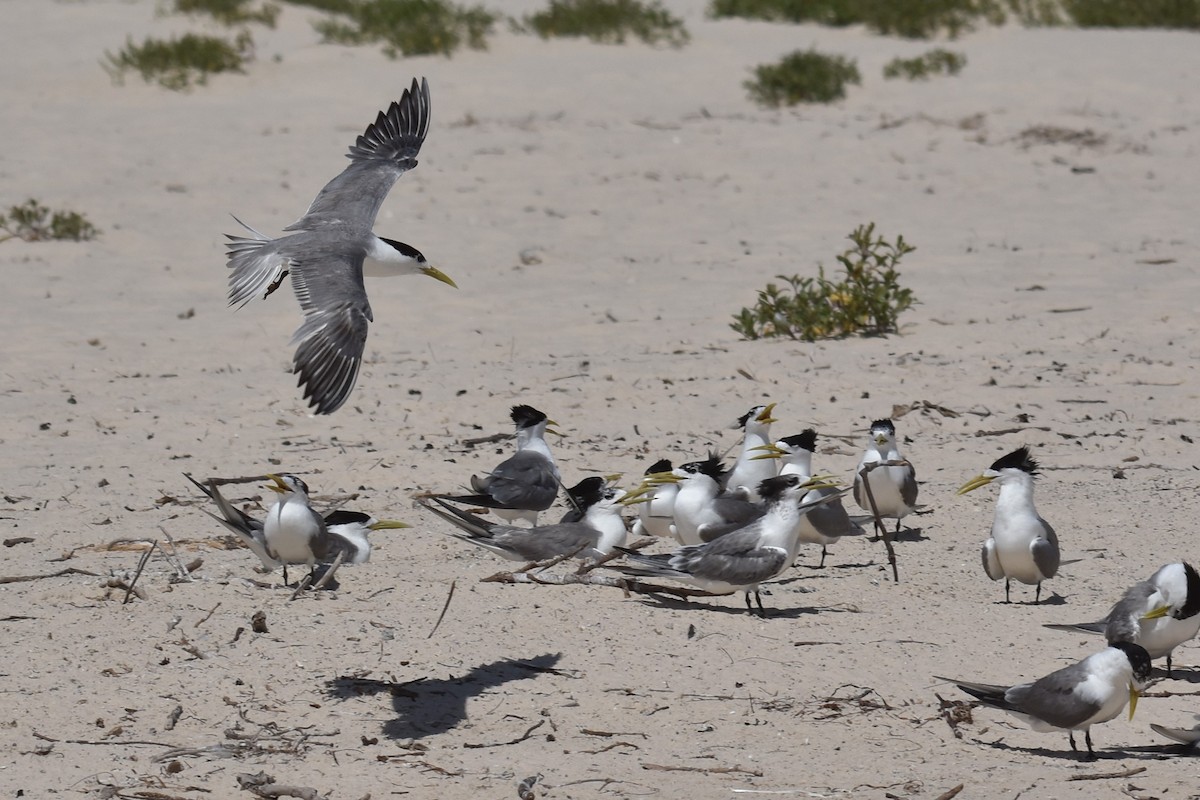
(332, 248)
(1160, 613)
(1073, 698)
(891, 477)
(1022, 546)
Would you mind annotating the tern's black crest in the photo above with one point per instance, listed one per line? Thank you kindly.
(744, 418)
(406, 250)
(1139, 659)
(586, 493)
(662, 465)
(1017, 459)
(289, 478)
(710, 467)
(526, 416)
(884, 425)
(772, 489)
(1191, 606)
(343, 517)
(807, 440)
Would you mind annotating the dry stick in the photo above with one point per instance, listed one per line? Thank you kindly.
(946, 795)
(445, 608)
(884, 533)
(141, 565)
(173, 557)
(337, 562)
(1100, 776)
(59, 574)
(111, 743)
(706, 770)
(204, 619)
(517, 740)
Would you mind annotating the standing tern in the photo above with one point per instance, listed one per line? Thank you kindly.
(346, 530)
(823, 524)
(1073, 698)
(593, 537)
(527, 482)
(702, 513)
(1160, 613)
(892, 479)
(656, 516)
(333, 248)
(743, 559)
(1022, 546)
(747, 472)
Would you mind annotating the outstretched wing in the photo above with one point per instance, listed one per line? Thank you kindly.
(387, 150)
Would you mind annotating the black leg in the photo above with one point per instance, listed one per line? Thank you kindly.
(822, 564)
(1168, 665)
(762, 612)
(749, 607)
(897, 526)
(1037, 596)
(1006, 598)
(1071, 738)
(285, 579)
(1087, 737)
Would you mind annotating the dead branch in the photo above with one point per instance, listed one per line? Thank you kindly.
(492, 439)
(706, 770)
(59, 574)
(612, 746)
(946, 795)
(108, 743)
(141, 566)
(264, 785)
(606, 734)
(205, 618)
(517, 740)
(1100, 776)
(880, 528)
(445, 608)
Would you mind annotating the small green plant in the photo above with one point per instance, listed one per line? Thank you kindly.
(609, 21)
(231, 12)
(33, 222)
(1134, 13)
(914, 19)
(867, 300)
(935, 62)
(804, 76)
(406, 27)
(178, 63)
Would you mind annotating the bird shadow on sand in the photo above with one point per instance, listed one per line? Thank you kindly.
(1178, 673)
(1143, 753)
(1054, 599)
(735, 608)
(429, 706)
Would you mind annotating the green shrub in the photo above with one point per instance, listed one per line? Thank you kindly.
(804, 76)
(609, 21)
(867, 300)
(231, 12)
(33, 222)
(915, 19)
(406, 27)
(1134, 13)
(925, 66)
(178, 63)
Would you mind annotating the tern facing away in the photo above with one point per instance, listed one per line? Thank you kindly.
(1160, 613)
(345, 531)
(1022, 546)
(744, 559)
(525, 483)
(331, 250)
(656, 516)
(892, 485)
(1073, 698)
(594, 536)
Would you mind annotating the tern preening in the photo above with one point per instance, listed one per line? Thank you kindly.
(1073, 698)
(345, 532)
(892, 478)
(1160, 613)
(527, 482)
(333, 247)
(1022, 546)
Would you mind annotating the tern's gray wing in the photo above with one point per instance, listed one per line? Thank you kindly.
(1052, 699)
(527, 480)
(735, 513)
(908, 487)
(547, 541)
(381, 155)
(328, 282)
(830, 519)
(348, 532)
(736, 558)
(1123, 623)
(1182, 735)
(1045, 552)
(247, 529)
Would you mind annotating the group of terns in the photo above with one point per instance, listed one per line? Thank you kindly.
(735, 529)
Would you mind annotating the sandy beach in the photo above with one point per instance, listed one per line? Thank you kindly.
(605, 211)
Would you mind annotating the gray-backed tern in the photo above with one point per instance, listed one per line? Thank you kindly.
(331, 250)
(892, 478)
(1073, 698)
(1160, 613)
(1022, 546)
(702, 512)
